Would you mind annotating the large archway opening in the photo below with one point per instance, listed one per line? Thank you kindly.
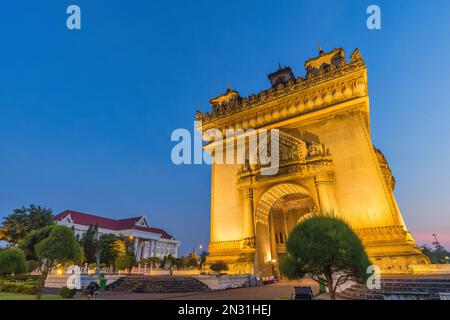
(278, 211)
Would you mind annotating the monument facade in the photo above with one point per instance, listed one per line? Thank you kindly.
(327, 165)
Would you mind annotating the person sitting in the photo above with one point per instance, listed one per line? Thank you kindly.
(92, 289)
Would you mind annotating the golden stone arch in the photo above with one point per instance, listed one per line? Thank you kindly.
(273, 194)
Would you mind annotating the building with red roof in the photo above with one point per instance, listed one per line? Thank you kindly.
(149, 241)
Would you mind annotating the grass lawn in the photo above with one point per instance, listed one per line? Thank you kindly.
(18, 296)
(284, 298)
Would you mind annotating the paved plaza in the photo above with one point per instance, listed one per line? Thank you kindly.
(279, 290)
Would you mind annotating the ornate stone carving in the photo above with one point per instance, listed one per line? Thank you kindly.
(249, 242)
(224, 245)
(246, 257)
(385, 169)
(333, 65)
(247, 193)
(356, 56)
(272, 195)
(299, 157)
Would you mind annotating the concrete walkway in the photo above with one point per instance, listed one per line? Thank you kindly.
(279, 290)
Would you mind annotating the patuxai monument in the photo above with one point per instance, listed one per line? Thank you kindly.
(327, 165)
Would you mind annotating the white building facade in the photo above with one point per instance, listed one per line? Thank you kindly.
(148, 240)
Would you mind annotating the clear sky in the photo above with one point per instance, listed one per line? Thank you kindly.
(86, 116)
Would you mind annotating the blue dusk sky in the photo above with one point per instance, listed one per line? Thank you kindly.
(86, 116)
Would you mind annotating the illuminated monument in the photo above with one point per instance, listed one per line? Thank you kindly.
(327, 164)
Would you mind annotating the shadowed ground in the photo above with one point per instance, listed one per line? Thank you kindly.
(279, 290)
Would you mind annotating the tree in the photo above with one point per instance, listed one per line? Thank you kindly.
(21, 221)
(31, 266)
(126, 262)
(29, 242)
(119, 247)
(12, 261)
(326, 249)
(169, 261)
(60, 246)
(219, 266)
(152, 262)
(123, 245)
(203, 256)
(108, 253)
(192, 260)
(90, 244)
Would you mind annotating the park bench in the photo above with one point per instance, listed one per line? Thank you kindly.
(302, 293)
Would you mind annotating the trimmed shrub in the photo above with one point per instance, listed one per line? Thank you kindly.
(28, 279)
(219, 266)
(67, 293)
(126, 262)
(12, 261)
(17, 287)
(32, 265)
(326, 249)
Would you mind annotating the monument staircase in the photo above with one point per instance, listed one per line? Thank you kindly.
(157, 284)
(402, 288)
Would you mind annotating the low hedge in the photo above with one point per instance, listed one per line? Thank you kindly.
(67, 293)
(21, 278)
(17, 287)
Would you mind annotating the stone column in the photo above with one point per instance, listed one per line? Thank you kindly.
(327, 193)
(150, 248)
(248, 225)
(285, 225)
(147, 249)
(136, 248)
(273, 241)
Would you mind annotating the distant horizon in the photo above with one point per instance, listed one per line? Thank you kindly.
(87, 115)
(416, 237)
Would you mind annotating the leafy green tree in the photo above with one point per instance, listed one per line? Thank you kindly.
(28, 245)
(31, 266)
(126, 262)
(192, 263)
(219, 266)
(21, 221)
(202, 258)
(122, 262)
(326, 249)
(168, 262)
(29, 242)
(90, 244)
(180, 263)
(12, 261)
(107, 249)
(60, 246)
(191, 260)
(123, 245)
(152, 262)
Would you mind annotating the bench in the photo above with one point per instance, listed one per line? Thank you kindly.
(302, 293)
